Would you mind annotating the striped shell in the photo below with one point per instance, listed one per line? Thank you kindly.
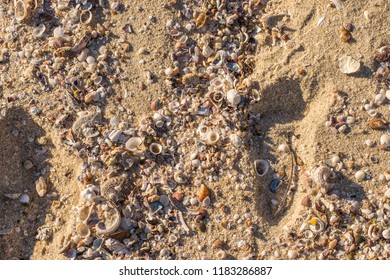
(321, 176)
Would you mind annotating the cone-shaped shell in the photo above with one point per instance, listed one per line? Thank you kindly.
(203, 192)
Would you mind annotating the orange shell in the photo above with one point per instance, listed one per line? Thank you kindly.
(203, 192)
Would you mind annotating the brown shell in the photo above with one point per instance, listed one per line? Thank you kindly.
(203, 192)
(377, 124)
(41, 186)
(200, 20)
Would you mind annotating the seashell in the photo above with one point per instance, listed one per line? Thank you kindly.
(178, 196)
(203, 130)
(102, 229)
(203, 192)
(235, 140)
(388, 94)
(369, 143)
(41, 186)
(348, 65)
(221, 255)
(212, 137)
(112, 188)
(321, 176)
(275, 184)
(83, 230)
(377, 124)
(24, 199)
(85, 17)
(22, 11)
(382, 54)
(316, 225)
(384, 141)
(233, 97)
(133, 144)
(380, 98)
(292, 255)
(373, 232)
(71, 254)
(360, 175)
(372, 112)
(85, 121)
(217, 96)
(207, 51)
(39, 30)
(386, 234)
(180, 177)
(261, 167)
(308, 234)
(97, 243)
(155, 148)
(387, 193)
(200, 20)
(217, 244)
(155, 206)
(85, 213)
(283, 148)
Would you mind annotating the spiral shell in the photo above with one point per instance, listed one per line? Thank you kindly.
(321, 176)
(203, 192)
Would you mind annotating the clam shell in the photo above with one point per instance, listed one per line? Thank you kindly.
(348, 65)
(83, 230)
(133, 144)
(261, 167)
(200, 20)
(21, 10)
(155, 148)
(217, 96)
(84, 213)
(321, 176)
(385, 141)
(233, 97)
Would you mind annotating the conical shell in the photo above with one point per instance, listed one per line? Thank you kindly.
(203, 192)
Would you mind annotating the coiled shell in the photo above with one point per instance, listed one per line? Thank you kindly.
(203, 192)
(321, 176)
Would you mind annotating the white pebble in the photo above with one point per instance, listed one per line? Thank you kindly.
(90, 60)
(385, 141)
(24, 199)
(369, 143)
(360, 175)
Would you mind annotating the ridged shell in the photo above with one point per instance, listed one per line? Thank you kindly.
(321, 176)
(203, 192)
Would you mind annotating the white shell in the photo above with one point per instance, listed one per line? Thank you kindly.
(233, 97)
(20, 10)
(385, 141)
(85, 17)
(369, 143)
(388, 94)
(207, 51)
(212, 137)
(155, 148)
(387, 193)
(379, 98)
(308, 234)
(59, 32)
(386, 234)
(360, 175)
(348, 65)
(235, 140)
(292, 254)
(203, 130)
(283, 148)
(39, 30)
(373, 233)
(318, 227)
(321, 176)
(133, 143)
(261, 167)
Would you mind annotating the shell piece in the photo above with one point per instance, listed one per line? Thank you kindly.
(212, 137)
(360, 175)
(261, 167)
(348, 65)
(113, 187)
(203, 192)
(321, 176)
(85, 17)
(377, 124)
(274, 184)
(22, 10)
(104, 229)
(41, 186)
(200, 20)
(39, 31)
(85, 213)
(384, 141)
(133, 144)
(386, 234)
(155, 148)
(83, 230)
(373, 232)
(316, 225)
(85, 121)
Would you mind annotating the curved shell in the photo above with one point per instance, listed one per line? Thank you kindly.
(83, 230)
(104, 229)
(321, 176)
(180, 177)
(217, 96)
(233, 97)
(373, 232)
(316, 225)
(85, 213)
(133, 144)
(261, 167)
(21, 10)
(85, 17)
(203, 130)
(155, 148)
(112, 188)
(386, 234)
(203, 192)
(212, 137)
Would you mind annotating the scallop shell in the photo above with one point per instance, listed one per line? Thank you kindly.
(321, 176)
(348, 65)
(233, 97)
(83, 230)
(203, 192)
(155, 148)
(261, 167)
(41, 186)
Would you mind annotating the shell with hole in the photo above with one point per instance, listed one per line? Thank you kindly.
(155, 149)
(261, 167)
(133, 144)
(212, 137)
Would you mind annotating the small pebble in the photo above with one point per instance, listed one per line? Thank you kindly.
(360, 175)
(24, 199)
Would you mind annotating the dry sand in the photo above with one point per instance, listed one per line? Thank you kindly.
(293, 109)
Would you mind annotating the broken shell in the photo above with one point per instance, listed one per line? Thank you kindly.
(155, 148)
(85, 17)
(373, 232)
(348, 65)
(83, 230)
(360, 175)
(316, 225)
(321, 176)
(384, 141)
(261, 167)
(380, 98)
(203, 130)
(41, 186)
(39, 30)
(102, 229)
(85, 213)
(178, 196)
(308, 234)
(21, 12)
(212, 137)
(207, 51)
(203, 192)
(133, 144)
(233, 97)
(217, 96)
(283, 148)
(200, 20)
